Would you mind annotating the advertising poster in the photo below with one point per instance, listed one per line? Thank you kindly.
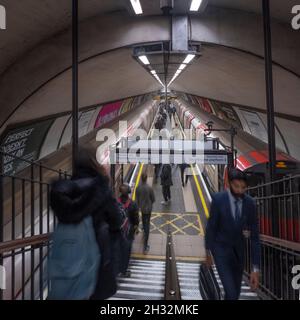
(255, 124)
(23, 142)
(226, 112)
(84, 122)
(108, 113)
(205, 105)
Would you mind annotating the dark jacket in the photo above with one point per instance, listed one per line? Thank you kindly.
(166, 175)
(224, 234)
(133, 216)
(145, 198)
(88, 193)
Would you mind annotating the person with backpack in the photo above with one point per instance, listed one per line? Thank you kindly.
(130, 213)
(81, 258)
(166, 183)
(145, 199)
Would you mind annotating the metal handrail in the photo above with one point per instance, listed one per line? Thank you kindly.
(294, 246)
(23, 243)
(172, 287)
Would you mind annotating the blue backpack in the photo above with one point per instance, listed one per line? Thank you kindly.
(73, 261)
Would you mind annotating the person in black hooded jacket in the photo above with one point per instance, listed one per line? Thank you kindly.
(92, 196)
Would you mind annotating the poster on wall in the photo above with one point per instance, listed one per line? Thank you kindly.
(25, 143)
(108, 113)
(227, 113)
(205, 105)
(137, 101)
(84, 122)
(255, 124)
(126, 106)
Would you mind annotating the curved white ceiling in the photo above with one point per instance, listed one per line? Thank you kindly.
(221, 73)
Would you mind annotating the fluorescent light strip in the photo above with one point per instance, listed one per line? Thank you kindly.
(195, 5)
(183, 66)
(136, 5)
(144, 59)
(153, 71)
(189, 58)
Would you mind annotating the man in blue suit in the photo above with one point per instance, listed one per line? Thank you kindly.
(233, 218)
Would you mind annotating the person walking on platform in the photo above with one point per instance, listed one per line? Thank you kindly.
(130, 224)
(156, 172)
(183, 167)
(145, 199)
(166, 183)
(232, 219)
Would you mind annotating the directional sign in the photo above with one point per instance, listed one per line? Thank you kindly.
(166, 151)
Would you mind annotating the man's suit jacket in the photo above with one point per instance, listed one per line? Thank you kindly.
(223, 233)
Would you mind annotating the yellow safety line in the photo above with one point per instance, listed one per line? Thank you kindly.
(137, 181)
(200, 194)
(198, 186)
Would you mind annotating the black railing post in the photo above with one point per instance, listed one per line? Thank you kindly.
(41, 230)
(32, 225)
(113, 177)
(269, 89)
(75, 82)
(1, 214)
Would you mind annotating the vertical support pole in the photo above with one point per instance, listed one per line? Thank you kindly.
(74, 82)
(269, 89)
(122, 173)
(1, 212)
(270, 112)
(113, 177)
(32, 218)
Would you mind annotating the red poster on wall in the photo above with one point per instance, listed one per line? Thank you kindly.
(108, 113)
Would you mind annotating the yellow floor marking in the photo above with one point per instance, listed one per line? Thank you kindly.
(200, 193)
(137, 181)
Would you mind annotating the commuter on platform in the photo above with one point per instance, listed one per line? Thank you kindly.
(176, 132)
(156, 172)
(166, 183)
(89, 219)
(130, 224)
(183, 171)
(145, 199)
(233, 218)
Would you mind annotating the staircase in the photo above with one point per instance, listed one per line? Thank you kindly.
(146, 282)
(188, 274)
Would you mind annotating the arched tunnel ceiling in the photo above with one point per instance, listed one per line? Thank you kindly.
(238, 77)
(221, 73)
(31, 22)
(39, 31)
(106, 77)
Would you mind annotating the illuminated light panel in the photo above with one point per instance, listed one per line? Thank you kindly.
(136, 5)
(189, 58)
(195, 5)
(144, 60)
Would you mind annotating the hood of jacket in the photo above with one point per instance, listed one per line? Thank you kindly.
(73, 200)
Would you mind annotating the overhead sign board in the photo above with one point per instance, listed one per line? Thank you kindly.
(166, 151)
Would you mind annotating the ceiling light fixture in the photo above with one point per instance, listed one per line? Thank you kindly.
(195, 5)
(136, 5)
(189, 58)
(144, 59)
